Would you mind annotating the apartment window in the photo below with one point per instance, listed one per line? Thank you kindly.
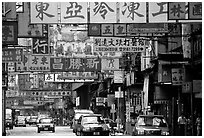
(19, 7)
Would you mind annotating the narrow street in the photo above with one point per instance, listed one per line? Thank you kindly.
(32, 131)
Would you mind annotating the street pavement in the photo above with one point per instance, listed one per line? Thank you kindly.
(32, 131)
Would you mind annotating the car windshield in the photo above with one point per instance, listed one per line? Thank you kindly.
(151, 121)
(92, 120)
(79, 114)
(47, 120)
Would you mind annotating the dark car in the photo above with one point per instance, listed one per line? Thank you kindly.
(46, 124)
(32, 121)
(150, 125)
(9, 123)
(92, 124)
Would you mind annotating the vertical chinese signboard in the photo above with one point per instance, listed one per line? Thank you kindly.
(9, 32)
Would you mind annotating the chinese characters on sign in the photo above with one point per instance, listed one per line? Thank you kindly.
(177, 76)
(75, 64)
(74, 12)
(195, 10)
(113, 44)
(9, 32)
(12, 55)
(44, 12)
(132, 12)
(176, 10)
(105, 12)
(110, 64)
(33, 63)
(40, 46)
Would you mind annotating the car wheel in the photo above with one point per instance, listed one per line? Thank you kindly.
(82, 134)
(53, 130)
(78, 133)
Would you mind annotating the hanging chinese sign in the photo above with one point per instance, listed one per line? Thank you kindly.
(158, 12)
(12, 54)
(33, 63)
(113, 44)
(195, 10)
(112, 12)
(110, 64)
(101, 12)
(44, 12)
(176, 10)
(75, 64)
(40, 46)
(9, 32)
(137, 29)
(132, 29)
(132, 12)
(74, 12)
(177, 76)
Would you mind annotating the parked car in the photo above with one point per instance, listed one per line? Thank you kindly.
(9, 123)
(77, 114)
(32, 120)
(46, 124)
(21, 121)
(150, 125)
(92, 124)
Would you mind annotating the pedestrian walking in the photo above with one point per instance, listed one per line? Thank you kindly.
(182, 124)
(199, 125)
(189, 126)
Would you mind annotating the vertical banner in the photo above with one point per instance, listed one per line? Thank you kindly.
(186, 45)
(133, 12)
(145, 90)
(44, 12)
(118, 76)
(103, 12)
(74, 12)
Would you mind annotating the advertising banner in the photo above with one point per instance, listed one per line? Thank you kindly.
(33, 63)
(114, 44)
(12, 54)
(75, 64)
